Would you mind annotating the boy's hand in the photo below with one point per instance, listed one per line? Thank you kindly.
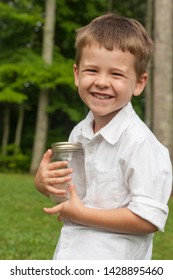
(50, 174)
(71, 209)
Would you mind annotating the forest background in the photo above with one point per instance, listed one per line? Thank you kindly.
(39, 104)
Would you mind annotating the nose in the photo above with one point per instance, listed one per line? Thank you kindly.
(102, 81)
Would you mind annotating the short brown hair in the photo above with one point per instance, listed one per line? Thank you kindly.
(114, 31)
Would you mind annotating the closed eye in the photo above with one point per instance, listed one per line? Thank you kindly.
(90, 70)
(117, 74)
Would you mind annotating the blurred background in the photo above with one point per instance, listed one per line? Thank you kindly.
(39, 105)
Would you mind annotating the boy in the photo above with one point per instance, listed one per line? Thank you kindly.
(128, 172)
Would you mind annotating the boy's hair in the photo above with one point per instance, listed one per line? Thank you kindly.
(114, 31)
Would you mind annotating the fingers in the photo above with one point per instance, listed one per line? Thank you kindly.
(60, 172)
(51, 174)
(46, 157)
(54, 210)
(54, 190)
(58, 165)
(71, 188)
(58, 191)
(58, 177)
(46, 162)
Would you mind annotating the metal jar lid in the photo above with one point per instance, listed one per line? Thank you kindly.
(66, 146)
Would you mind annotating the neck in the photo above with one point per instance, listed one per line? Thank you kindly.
(101, 121)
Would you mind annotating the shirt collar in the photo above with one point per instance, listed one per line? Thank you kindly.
(87, 128)
(114, 129)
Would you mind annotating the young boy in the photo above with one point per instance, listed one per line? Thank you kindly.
(128, 172)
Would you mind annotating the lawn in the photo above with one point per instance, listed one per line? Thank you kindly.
(26, 233)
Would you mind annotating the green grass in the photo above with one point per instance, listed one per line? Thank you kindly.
(27, 233)
(163, 241)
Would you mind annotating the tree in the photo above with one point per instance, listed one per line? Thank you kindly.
(19, 126)
(163, 73)
(149, 85)
(42, 116)
(6, 129)
(9, 95)
(14, 21)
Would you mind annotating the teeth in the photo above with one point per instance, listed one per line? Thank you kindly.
(101, 96)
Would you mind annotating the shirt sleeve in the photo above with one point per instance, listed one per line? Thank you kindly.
(148, 175)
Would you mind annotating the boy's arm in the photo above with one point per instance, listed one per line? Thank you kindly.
(120, 220)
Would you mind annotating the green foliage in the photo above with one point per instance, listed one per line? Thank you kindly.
(18, 21)
(139, 105)
(12, 96)
(14, 161)
(17, 75)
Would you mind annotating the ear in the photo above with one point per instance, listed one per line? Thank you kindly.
(140, 84)
(76, 75)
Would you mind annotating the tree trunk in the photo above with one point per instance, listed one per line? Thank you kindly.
(6, 128)
(149, 85)
(42, 116)
(163, 73)
(18, 133)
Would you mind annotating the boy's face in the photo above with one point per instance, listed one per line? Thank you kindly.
(106, 81)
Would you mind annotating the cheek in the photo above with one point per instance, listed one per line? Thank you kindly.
(119, 86)
(124, 87)
(83, 83)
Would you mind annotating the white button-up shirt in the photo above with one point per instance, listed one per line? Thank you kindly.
(125, 166)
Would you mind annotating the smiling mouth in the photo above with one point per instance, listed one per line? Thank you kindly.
(101, 96)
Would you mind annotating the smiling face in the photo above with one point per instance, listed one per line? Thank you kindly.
(106, 81)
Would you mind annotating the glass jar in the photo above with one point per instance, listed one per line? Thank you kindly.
(74, 154)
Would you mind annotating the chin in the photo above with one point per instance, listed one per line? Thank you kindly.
(105, 114)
